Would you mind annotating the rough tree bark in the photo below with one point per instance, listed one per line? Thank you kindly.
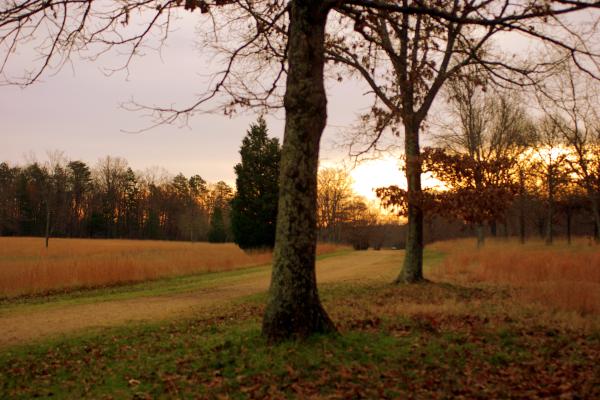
(294, 309)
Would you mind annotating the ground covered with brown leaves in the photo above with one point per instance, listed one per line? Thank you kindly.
(432, 340)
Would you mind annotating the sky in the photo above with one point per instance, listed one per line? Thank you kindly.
(78, 110)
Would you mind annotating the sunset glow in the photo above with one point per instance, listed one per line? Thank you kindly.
(372, 174)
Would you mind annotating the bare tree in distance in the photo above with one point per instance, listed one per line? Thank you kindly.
(486, 125)
(334, 192)
(570, 103)
(67, 27)
(549, 164)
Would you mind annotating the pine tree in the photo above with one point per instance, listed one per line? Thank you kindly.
(217, 233)
(254, 207)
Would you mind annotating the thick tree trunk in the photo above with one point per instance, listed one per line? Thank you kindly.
(294, 309)
(412, 270)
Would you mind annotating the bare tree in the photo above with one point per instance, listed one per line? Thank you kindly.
(486, 124)
(333, 195)
(570, 102)
(423, 50)
(549, 164)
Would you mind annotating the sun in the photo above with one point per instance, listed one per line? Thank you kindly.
(372, 174)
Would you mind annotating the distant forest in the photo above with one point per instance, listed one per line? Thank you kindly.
(110, 200)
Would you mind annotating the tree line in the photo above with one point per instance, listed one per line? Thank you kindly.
(63, 198)
(109, 200)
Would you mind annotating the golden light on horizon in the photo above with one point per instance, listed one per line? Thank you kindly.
(372, 174)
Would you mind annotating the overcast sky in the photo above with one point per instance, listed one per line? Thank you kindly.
(78, 111)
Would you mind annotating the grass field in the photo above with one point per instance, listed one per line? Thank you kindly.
(26, 267)
(563, 277)
(480, 328)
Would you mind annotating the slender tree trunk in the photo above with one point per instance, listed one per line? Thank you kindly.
(506, 230)
(550, 216)
(479, 229)
(294, 309)
(596, 213)
(522, 235)
(412, 270)
(522, 207)
(494, 228)
(47, 231)
(550, 225)
(569, 217)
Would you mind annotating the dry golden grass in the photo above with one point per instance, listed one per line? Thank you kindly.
(561, 277)
(27, 267)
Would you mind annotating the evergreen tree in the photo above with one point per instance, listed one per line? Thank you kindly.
(217, 233)
(254, 207)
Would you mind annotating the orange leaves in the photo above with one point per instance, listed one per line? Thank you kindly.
(478, 190)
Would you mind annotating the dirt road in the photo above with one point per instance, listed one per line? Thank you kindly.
(29, 324)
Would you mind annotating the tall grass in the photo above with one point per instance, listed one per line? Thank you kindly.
(562, 277)
(26, 267)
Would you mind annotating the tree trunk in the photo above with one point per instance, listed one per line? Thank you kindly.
(522, 234)
(480, 235)
(596, 213)
(294, 309)
(412, 270)
(541, 223)
(550, 216)
(494, 228)
(569, 217)
(522, 206)
(47, 231)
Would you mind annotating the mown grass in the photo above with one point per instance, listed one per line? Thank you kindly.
(158, 287)
(447, 339)
(28, 269)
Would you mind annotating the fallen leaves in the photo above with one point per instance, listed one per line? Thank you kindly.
(383, 352)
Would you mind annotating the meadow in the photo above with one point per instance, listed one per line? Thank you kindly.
(561, 276)
(505, 321)
(27, 268)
